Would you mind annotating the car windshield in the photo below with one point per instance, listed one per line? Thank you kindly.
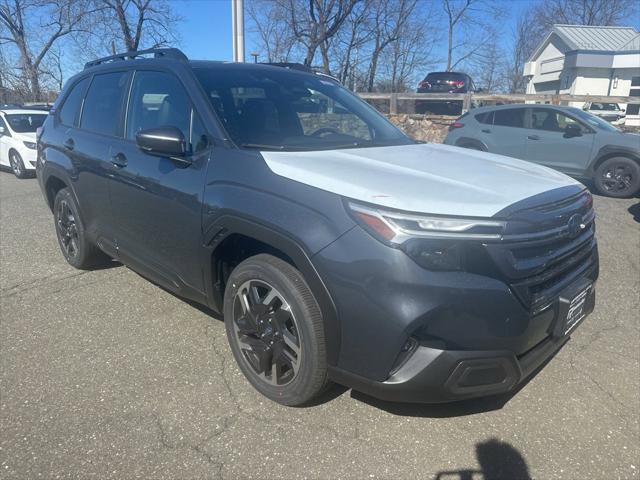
(25, 122)
(279, 109)
(593, 120)
(604, 106)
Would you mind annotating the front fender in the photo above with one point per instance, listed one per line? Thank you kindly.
(243, 196)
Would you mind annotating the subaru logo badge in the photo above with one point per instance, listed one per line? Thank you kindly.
(575, 225)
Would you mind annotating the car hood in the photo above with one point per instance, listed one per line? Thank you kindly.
(422, 178)
(26, 137)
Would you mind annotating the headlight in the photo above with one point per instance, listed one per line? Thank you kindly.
(31, 145)
(434, 242)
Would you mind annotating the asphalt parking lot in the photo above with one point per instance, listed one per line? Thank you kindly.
(103, 374)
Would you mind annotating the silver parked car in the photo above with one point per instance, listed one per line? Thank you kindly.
(565, 138)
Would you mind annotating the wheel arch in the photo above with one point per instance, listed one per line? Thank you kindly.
(611, 151)
(52, 186)
(466, 142)
(256, 238)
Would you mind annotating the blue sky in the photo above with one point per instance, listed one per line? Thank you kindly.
(206, 29)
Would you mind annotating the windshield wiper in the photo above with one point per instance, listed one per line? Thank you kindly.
(261, 146)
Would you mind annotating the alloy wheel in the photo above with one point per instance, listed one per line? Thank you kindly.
(67, 229)
(15, 165)
(266, 333)
(617, 178)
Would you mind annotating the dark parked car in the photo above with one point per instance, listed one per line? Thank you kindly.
(444, 82)
(337, 248)
(565, 138)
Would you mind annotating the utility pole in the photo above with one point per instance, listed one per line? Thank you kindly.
(237, 19)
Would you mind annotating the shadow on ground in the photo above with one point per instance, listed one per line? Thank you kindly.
(635, 211)
(498, 461)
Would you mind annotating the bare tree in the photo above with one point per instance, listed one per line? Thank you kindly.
(584, 12)
(315, 22)
(388, 20)
(524, 41)
(411, 55)
(33, 27)
(269, 21)
(469, 25)
(134, 23)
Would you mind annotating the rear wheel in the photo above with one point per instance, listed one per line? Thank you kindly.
(618, 177)
(76, 248)
(275, 330)
(17, 165)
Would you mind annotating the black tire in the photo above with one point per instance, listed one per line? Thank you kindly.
(618, 177)
(76, 248)
(264, 340)
(17, 165)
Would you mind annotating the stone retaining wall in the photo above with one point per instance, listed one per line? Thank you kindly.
(430, 128)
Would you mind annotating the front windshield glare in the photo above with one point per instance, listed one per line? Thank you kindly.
(25, 122)
(594, 121)
(272, 108)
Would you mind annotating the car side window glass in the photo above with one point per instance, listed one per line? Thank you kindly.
(510, 117)
(70, 111)
(4, 127)
(550, 120)
(158, 99)
(103, 104)
(486, 118)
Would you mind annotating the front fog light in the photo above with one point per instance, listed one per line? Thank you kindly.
(435, 255)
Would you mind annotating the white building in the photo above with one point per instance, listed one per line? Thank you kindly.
(586, 60)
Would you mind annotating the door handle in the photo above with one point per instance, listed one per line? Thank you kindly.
(69, 144)
(119, 160)
(533, 137)
(486, 130)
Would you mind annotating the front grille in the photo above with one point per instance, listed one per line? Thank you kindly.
(540, 254)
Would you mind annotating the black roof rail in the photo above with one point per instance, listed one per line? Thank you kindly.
(291, 65)
(157, 53)
(301, 67)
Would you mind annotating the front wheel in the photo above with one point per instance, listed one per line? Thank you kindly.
(275, 330)
(618, 177)
(17, 165)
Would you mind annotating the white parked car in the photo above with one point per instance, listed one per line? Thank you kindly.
(611, 112)
(18, 139)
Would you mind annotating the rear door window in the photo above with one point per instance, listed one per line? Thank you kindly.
(70, 111)
(510, 117)
(102, 110)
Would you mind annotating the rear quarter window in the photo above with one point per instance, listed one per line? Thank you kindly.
(485, 117)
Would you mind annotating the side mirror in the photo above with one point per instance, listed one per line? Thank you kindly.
(572, 130)
(164, 142)
(1, 130)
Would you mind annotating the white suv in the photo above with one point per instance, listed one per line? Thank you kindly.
(18, 139)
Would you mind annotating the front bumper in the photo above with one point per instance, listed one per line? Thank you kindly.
(475, 337)
(435, 376)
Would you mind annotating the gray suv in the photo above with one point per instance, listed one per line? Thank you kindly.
(565, 138)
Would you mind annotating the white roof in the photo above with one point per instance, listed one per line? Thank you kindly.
(593, 38)
(584, 37)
